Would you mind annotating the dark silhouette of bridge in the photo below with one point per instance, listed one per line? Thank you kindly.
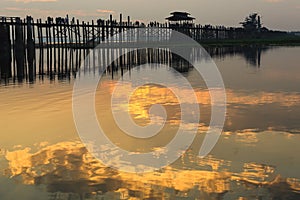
(53, 47)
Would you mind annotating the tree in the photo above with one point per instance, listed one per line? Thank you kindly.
(252, 22)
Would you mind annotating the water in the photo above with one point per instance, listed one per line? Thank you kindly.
(256, 157)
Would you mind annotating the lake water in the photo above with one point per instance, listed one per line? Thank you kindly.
(256, 157)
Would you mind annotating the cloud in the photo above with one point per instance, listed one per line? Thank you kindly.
(46, 12)
(30, 1)
(15, 9)
(273, 1)
(105, 11)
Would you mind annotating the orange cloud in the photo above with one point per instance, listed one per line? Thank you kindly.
(46, 13)
(105, 11)
(29, 1)
(14, 9)
(273, 1)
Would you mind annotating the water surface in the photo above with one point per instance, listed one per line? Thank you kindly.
(42, 157)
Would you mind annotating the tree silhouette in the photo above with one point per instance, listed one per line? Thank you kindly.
(252, 22)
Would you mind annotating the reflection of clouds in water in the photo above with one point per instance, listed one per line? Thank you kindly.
(67, 167)
(247, 137)
(259, 98)
(254, 98)
(261, 110)
(240, 114)
(257, 173)
(142, 98)
(2, 152)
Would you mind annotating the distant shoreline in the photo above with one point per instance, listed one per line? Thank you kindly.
(280, 41)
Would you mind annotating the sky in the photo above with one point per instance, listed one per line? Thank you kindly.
(276, 14)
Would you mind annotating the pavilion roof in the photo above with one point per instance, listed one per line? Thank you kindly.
(180, 16)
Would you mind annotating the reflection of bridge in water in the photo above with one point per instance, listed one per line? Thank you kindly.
(68, 61)
(252, 54)
(65, 62)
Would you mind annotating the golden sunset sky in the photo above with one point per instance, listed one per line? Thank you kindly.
(276, 14)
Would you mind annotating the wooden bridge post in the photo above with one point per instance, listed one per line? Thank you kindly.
(103, 30)
(5, 51)
(30, 49)
(128, 32)
(70, 34)
(138, 33)
(93, 34)
(66, 28)
(47, 46)
(98, 32)
(121, 23)
(58, 45)
(40, 28)
(62, 44)
(87, 29)
(121, 40)
(107, 30)
(50, 44)
(78, 35)
(13, 47)
(83, 33)
(198, 33)
(19, 49)
(39, 45)
(54, 47)
(111, 25)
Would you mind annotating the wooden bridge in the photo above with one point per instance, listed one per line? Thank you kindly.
(66, 32)
(55, 38)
